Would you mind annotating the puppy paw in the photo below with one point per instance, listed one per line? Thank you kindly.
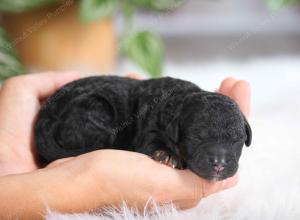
(165, 158)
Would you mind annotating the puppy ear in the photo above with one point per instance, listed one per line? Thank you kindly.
(248, 133)
(172, 130)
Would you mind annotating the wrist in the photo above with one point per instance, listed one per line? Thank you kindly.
(41, 190)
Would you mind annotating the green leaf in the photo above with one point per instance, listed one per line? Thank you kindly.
(166, 4)
(23, 5)
(159, 4)
(9, 63)
(90, 10)
(276, 4)
(145, 49)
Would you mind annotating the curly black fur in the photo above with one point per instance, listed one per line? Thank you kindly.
(199, 128)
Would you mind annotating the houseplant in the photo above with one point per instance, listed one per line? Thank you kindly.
(9, 63)
(276, 4)
(142, 47)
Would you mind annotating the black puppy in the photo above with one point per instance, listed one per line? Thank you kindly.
(171, 120)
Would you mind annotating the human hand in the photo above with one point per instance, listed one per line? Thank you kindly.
(20, 100)
(192, 188)
(110, 177)
(98, 179)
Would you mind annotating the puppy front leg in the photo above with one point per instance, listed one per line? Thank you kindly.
(166, 158)
(154, 146)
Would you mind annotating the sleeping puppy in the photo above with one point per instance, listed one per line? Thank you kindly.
(171, 120)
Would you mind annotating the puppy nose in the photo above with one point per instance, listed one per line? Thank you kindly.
(218, 164)
(218, 167)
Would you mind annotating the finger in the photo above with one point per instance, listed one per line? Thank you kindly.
(227, 85)
(134, 76)
(241, 93)
(45, 84)
(38, 85)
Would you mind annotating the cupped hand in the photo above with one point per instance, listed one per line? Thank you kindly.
(107, 175)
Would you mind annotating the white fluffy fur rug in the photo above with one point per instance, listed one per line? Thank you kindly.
(269, 186)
